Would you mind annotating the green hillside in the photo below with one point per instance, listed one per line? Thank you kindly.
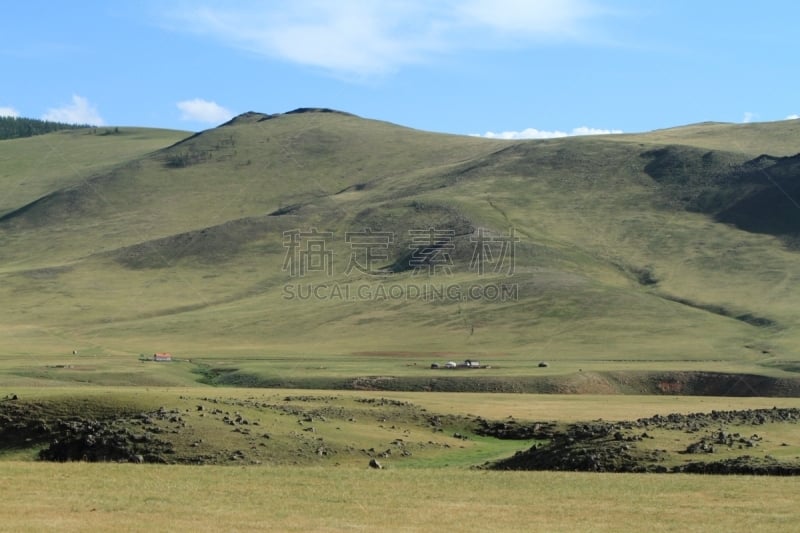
(19, 127)
(36, 166)
(664, 251)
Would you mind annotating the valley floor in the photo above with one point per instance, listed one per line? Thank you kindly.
(112, 497)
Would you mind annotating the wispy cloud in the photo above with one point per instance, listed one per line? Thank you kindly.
(8, 112)
(80, 111)
(369, 37)
(792, 116)
(749, 116)
(199, 110)
(533, 133)
(537, 19)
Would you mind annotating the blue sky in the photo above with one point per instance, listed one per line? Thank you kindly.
(515, 68)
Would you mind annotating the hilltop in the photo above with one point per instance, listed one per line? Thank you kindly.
(674, 250)
(19, 127)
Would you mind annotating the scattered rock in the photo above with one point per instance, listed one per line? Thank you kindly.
(610, 447)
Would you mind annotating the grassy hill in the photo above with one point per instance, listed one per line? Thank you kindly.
(666, 251)
(19, 127)
(36, 166)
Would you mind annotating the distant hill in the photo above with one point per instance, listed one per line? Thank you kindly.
(17, 127)
(675, 249)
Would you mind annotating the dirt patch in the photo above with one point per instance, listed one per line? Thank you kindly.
(721, 384)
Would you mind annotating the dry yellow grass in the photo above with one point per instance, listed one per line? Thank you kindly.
(91, 497)
(571, 408)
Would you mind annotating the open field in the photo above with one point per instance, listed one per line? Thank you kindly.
(81, 497)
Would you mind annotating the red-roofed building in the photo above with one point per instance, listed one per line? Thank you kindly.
(162, 357)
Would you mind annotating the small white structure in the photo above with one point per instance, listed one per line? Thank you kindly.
(450, 364)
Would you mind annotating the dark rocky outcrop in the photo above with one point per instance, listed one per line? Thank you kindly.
(613, 446)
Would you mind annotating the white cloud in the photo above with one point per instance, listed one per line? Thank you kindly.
(531, 18)
(80, 111)
(583, 130)
(533, 133)
(792, 117)
(369, 37)
(8, 112)
(528, 133)
(199, 110)
(749, 117)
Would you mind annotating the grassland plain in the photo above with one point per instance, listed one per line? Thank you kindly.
(92, 497)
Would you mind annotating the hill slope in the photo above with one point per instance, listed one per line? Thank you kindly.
(35, 166)
(666, 250)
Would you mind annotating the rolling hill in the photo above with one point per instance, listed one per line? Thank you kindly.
(273, 245)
